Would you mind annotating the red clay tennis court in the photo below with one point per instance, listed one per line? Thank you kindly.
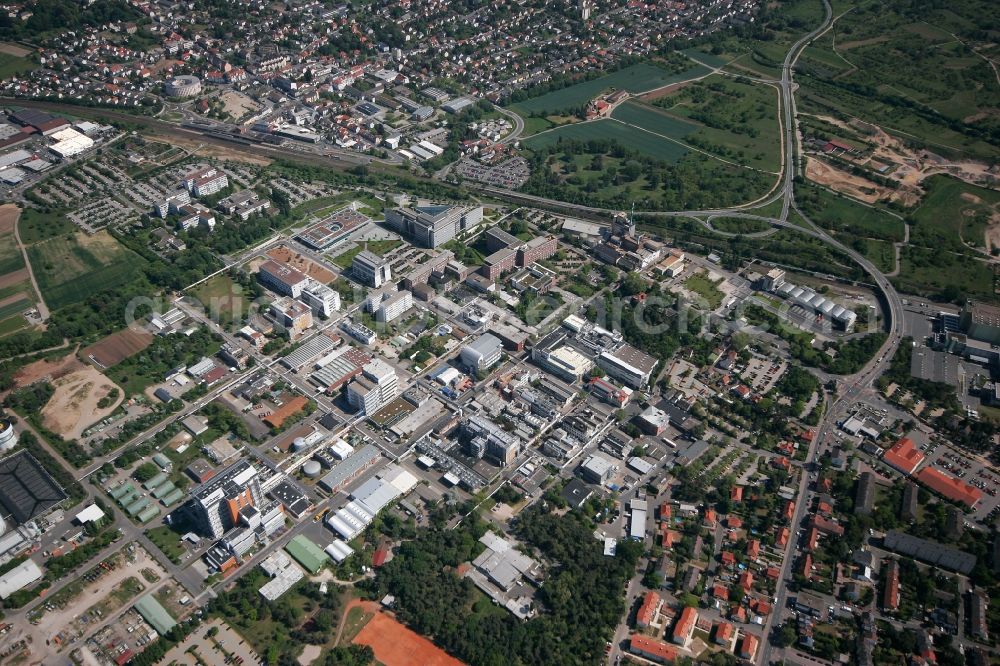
(396, 645)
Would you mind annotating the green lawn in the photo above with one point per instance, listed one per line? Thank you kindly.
(344, 259)
(635, 79)
(168, 541)
(222, 299)
(953, 214)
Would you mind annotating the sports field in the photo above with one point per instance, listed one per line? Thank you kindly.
(70, 268)
(395, 644)
(11, 65)
(635, 79)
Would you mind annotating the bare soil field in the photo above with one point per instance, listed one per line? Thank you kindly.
(301, 263)
(396, 645)
(117, 347)
(16, 277)
(8, 217)
(46, 369)
(14, 50)
(912, 167)
(663, 92)
(220, 152)
(841, 181)
(237, 104)
(73, 407)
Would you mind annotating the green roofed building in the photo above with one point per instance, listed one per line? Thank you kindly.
(148, 514)
(163, 490)
(159, 478)
(120, 491)
(153, 612)
(306, 553)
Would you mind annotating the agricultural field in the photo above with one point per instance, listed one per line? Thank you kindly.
(920, 71)
(656, 147)
(635, 79)
(737, 120)
(73, 267)
(16, 292)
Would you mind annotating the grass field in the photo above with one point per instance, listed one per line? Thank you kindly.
(36, 225)
(10, 65)
(739, 225)
(635, 79)
(71, 268)
(915, 73)
(945, 275)
(222, 299)
(844, 215)
(737, 120)
(11, 258)
(701, 285)
(952, 214)
(609, 130)
(344, 259)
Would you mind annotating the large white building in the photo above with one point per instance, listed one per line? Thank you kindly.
(282, 278)
(8, 438)
(482, 354)
(205, 182)
(431, 226)
(377, 386)
(371, 269)
(628, 364)
(322, 299)
(393, 306)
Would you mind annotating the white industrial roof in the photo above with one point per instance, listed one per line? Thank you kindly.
(19, 578)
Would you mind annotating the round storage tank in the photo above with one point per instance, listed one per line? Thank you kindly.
(8, 438)
(299, 444)
(184, 85)
(312, 469)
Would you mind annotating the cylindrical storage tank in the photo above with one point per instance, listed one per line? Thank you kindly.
(312, 469)
(8, 438)
(299, 444)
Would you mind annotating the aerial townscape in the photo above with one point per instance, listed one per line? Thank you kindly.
(536, 333)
